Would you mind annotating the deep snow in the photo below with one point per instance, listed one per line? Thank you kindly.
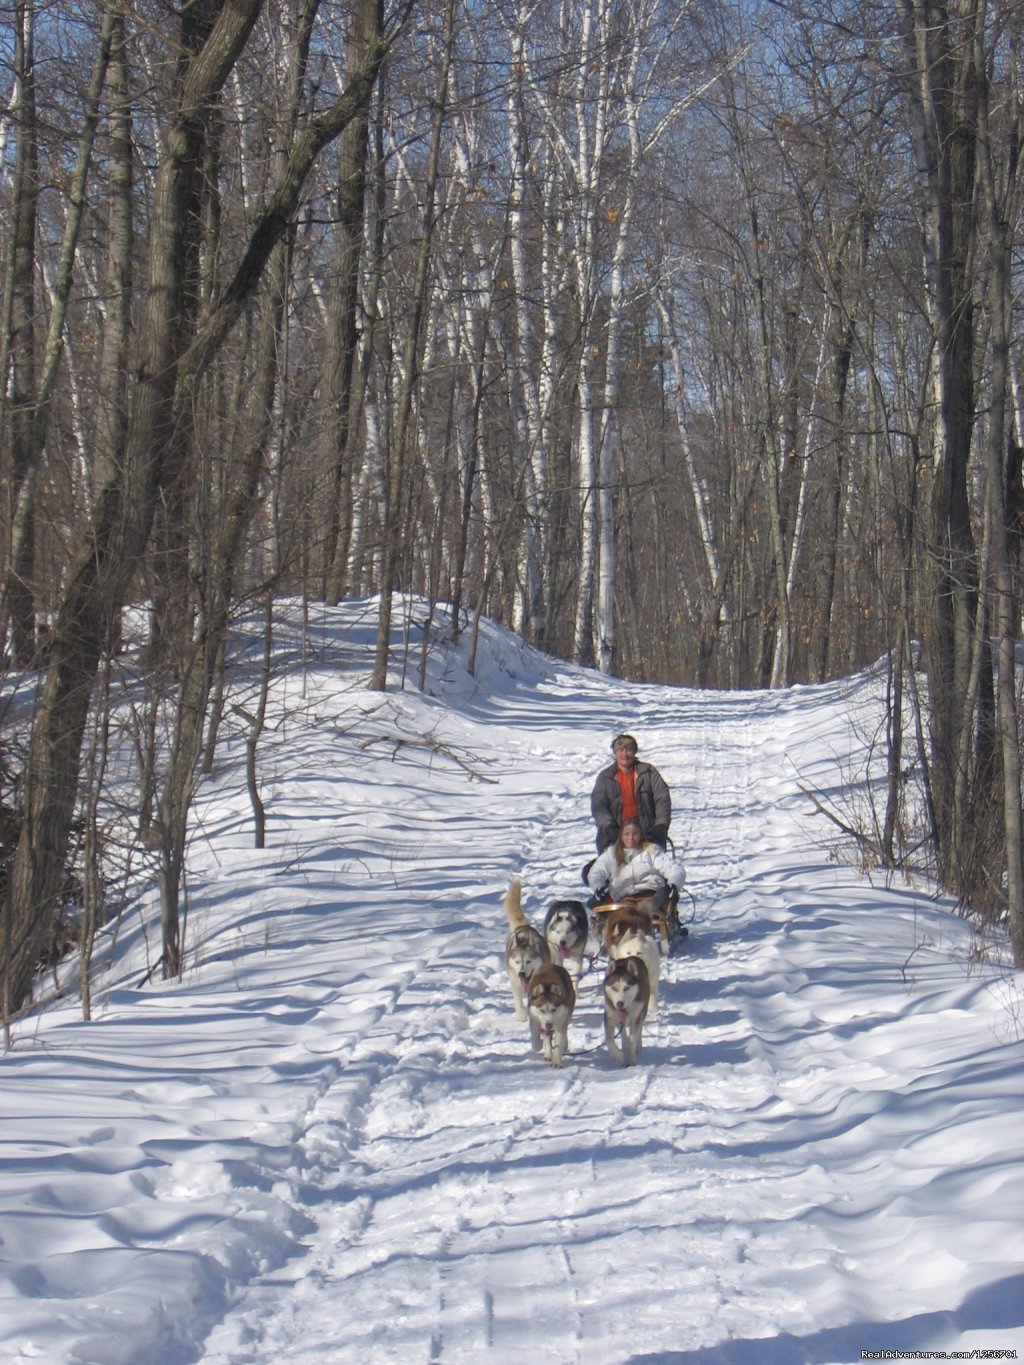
(331, 1142)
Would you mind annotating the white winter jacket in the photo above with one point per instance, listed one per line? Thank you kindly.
(644, 869)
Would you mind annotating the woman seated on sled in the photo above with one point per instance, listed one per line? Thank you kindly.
(634, 866)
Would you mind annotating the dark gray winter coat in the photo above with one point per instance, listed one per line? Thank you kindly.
(653, 804)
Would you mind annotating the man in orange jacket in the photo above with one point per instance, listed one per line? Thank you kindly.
(630, 790)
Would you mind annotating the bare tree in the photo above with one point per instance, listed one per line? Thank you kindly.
(943, 97)
(397, 467)
(171, 365)
(339, 386)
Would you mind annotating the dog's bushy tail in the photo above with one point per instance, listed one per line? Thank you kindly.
(514, 904)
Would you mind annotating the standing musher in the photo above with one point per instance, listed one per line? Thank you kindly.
(630, 790)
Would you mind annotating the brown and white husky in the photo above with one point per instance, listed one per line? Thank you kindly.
(551, 1001)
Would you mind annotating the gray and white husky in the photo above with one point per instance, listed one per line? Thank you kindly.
(525, 950)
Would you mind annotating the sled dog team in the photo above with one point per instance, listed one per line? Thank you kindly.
(636, 885)
(544, 967)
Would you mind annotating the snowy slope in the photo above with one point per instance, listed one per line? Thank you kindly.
(331, 1142)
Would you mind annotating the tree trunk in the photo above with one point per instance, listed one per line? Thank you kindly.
(112, 382)
(1000, 203)
(342, 330)
(939, 40)
(20, 389)
(396, 473)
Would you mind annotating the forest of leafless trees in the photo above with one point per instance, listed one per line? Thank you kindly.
(684, 337)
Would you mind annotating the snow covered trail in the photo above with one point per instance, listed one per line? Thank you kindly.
(483, 1205)
(332, 1143)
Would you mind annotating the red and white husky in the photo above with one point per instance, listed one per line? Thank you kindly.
(629, 932)
(627, 993)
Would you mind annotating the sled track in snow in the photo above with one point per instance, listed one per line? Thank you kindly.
(406, 1187)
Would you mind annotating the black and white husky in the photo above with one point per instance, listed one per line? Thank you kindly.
(627, 993)
(566, 928)
(525, 950)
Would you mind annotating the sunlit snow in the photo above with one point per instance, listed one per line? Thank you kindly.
(330, 1140)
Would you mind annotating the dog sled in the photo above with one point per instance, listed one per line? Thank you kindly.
(660, 909)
